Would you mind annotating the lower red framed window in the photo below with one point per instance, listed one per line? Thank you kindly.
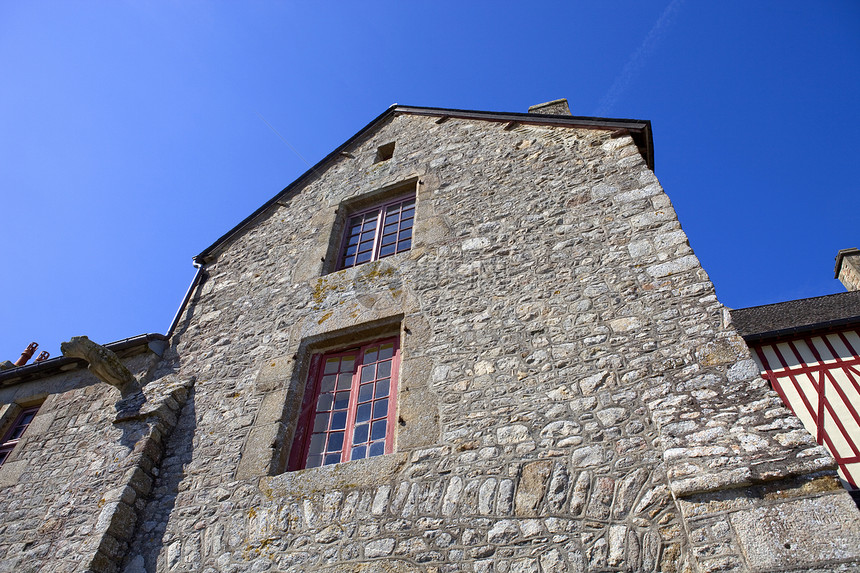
(13, 436)
(349, 407)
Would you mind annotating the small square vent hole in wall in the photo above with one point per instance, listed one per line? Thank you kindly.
(385, 152)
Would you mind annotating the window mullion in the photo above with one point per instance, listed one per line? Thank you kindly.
(377, 237)
(317, 372)
(392, 399)
(353, 405)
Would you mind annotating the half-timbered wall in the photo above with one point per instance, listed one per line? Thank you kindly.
(818, 377)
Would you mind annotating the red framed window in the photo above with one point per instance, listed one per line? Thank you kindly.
(13, 436)
(379, 232)
(349, 407)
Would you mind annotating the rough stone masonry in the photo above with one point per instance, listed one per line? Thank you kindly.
(572, 395)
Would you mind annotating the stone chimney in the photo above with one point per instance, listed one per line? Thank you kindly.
(848, 268)
(554, 107)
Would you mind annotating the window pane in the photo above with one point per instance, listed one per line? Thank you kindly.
(407, 234)
(365, 245)
(365, 392)
(350, 250)
(386, 250)
(406, 224)
(347, 363)
(389, 239)
(386, 351)
(380, 409)
(335, 441)
(332, 459)
(392, 218)
(388, 229)
(362, 258)
(344, 380)
(348, 261)
(368, 373)
(317, 444)
(376, 449)
(407, 213)
(324, 402)
(377, 432)
(359, 436)
(383, 369)
(358, 453)
(338, 421)
(363, 413)
(313, 461)
(321, 422)
(381, 389)
(327, 384)
(370, 355)
(404, 246)
(331, 365)
(341, 400)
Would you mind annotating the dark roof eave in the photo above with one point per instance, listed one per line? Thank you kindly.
(801, 316)
(806, 329)
(640, 130)
(52, 365)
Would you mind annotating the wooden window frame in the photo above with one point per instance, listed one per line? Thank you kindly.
(299, 453)
(376, 215)
(16, 431)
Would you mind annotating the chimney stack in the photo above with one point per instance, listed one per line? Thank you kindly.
(25, 356)
(848, 268)
(554, 107)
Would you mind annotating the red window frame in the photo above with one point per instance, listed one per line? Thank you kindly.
(378, 232)
(351, 395)
(16, 432)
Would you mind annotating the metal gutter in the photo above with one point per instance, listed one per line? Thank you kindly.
(156, 342)
(194, 282)
(640, 130)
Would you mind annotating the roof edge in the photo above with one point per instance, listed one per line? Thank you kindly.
(794, 300)
(642, 128)
(39, 369)
(818, 327)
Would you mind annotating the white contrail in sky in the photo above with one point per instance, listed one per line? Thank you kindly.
(637, 61)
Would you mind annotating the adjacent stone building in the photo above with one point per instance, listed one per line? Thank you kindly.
(496, 318)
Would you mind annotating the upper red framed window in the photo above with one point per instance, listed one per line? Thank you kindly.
(349, 406)
(13, 436)
(379, 232)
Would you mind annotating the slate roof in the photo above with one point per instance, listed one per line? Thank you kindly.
(798, 316)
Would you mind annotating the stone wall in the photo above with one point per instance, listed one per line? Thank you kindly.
(572, 395)
(72, 490)
(568, 376)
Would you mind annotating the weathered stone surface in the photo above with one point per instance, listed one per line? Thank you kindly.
(532, 487)
(103, 363)
(570, 395)
(799, 533)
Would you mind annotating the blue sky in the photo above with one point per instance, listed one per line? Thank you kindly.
(132, 135)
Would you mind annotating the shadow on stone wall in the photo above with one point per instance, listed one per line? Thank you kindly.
(148, 540)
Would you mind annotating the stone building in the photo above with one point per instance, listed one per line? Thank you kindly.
(492, 322)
